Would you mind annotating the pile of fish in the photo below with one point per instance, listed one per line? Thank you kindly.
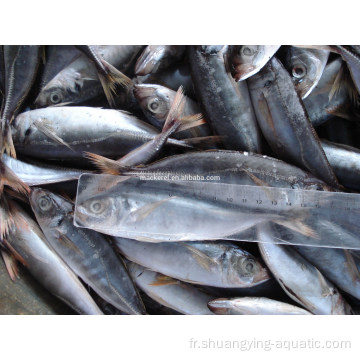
(278, 116)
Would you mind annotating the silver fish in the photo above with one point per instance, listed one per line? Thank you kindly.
(247, 60)
(182, 297)
(66, 132)
(86, 252)
(303, 282)
(284, 122)
(254, 306)
(27, 240)
(157, 211)
(36, 173)
(79, 81)
(157, 57)
(305, 67)
(345, 160)
(155, 101)
(219, 263)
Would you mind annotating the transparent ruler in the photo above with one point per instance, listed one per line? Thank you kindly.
(188, 210)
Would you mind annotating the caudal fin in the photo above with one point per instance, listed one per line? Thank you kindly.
(11, 265)
(8, 177)
(111, 79)
(105, 165)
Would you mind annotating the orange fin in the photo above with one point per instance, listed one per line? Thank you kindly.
(204, 142)
(176, 109)
(162, 280)
(109, 81)
(8, 177)
(104, 164)
(191, 121)
(11, 265)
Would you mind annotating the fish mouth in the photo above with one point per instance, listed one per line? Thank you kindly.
(143, 91)
(262, 276)
(219, 306)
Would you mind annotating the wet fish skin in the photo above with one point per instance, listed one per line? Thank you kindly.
(25, 296)
(254, 306)
(106, 132)
(285, 123)
(155, 101)
(300, 280)
(345, 160)
(247, 60)
(226, 104)
(306, 67)
(20, 64)
(318, 104)
(219, 263)
(352, 60)
(35, 173)
(79, 82)
(234, 167)
(57, 58)
(172, 77)
(45, 265)
(182, 297)
(132, 208)
(157, 57)
(337, 265)
(86, 252)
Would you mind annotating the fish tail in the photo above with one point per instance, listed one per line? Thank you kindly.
(110, 79)
(105, 165)
(173, 117)
(204, 142)
(9, 144)
(191, 121)
(8, 177)
(6, 141)
(11, 265)
(344, 82)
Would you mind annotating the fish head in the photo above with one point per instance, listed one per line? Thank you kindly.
(220, 306)
(244, 268)
(149, 60)
(99, 211)
(155, 101)
(305, 67)
(49, 208)
(264, 79)
(22, 128)
(247, 60)
(64, 88)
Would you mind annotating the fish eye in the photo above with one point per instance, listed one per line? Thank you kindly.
(55, 97)
(247, 51)
(44, 203)
(298, 71)
(249, 265)
(97, 207)
(153, 105)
